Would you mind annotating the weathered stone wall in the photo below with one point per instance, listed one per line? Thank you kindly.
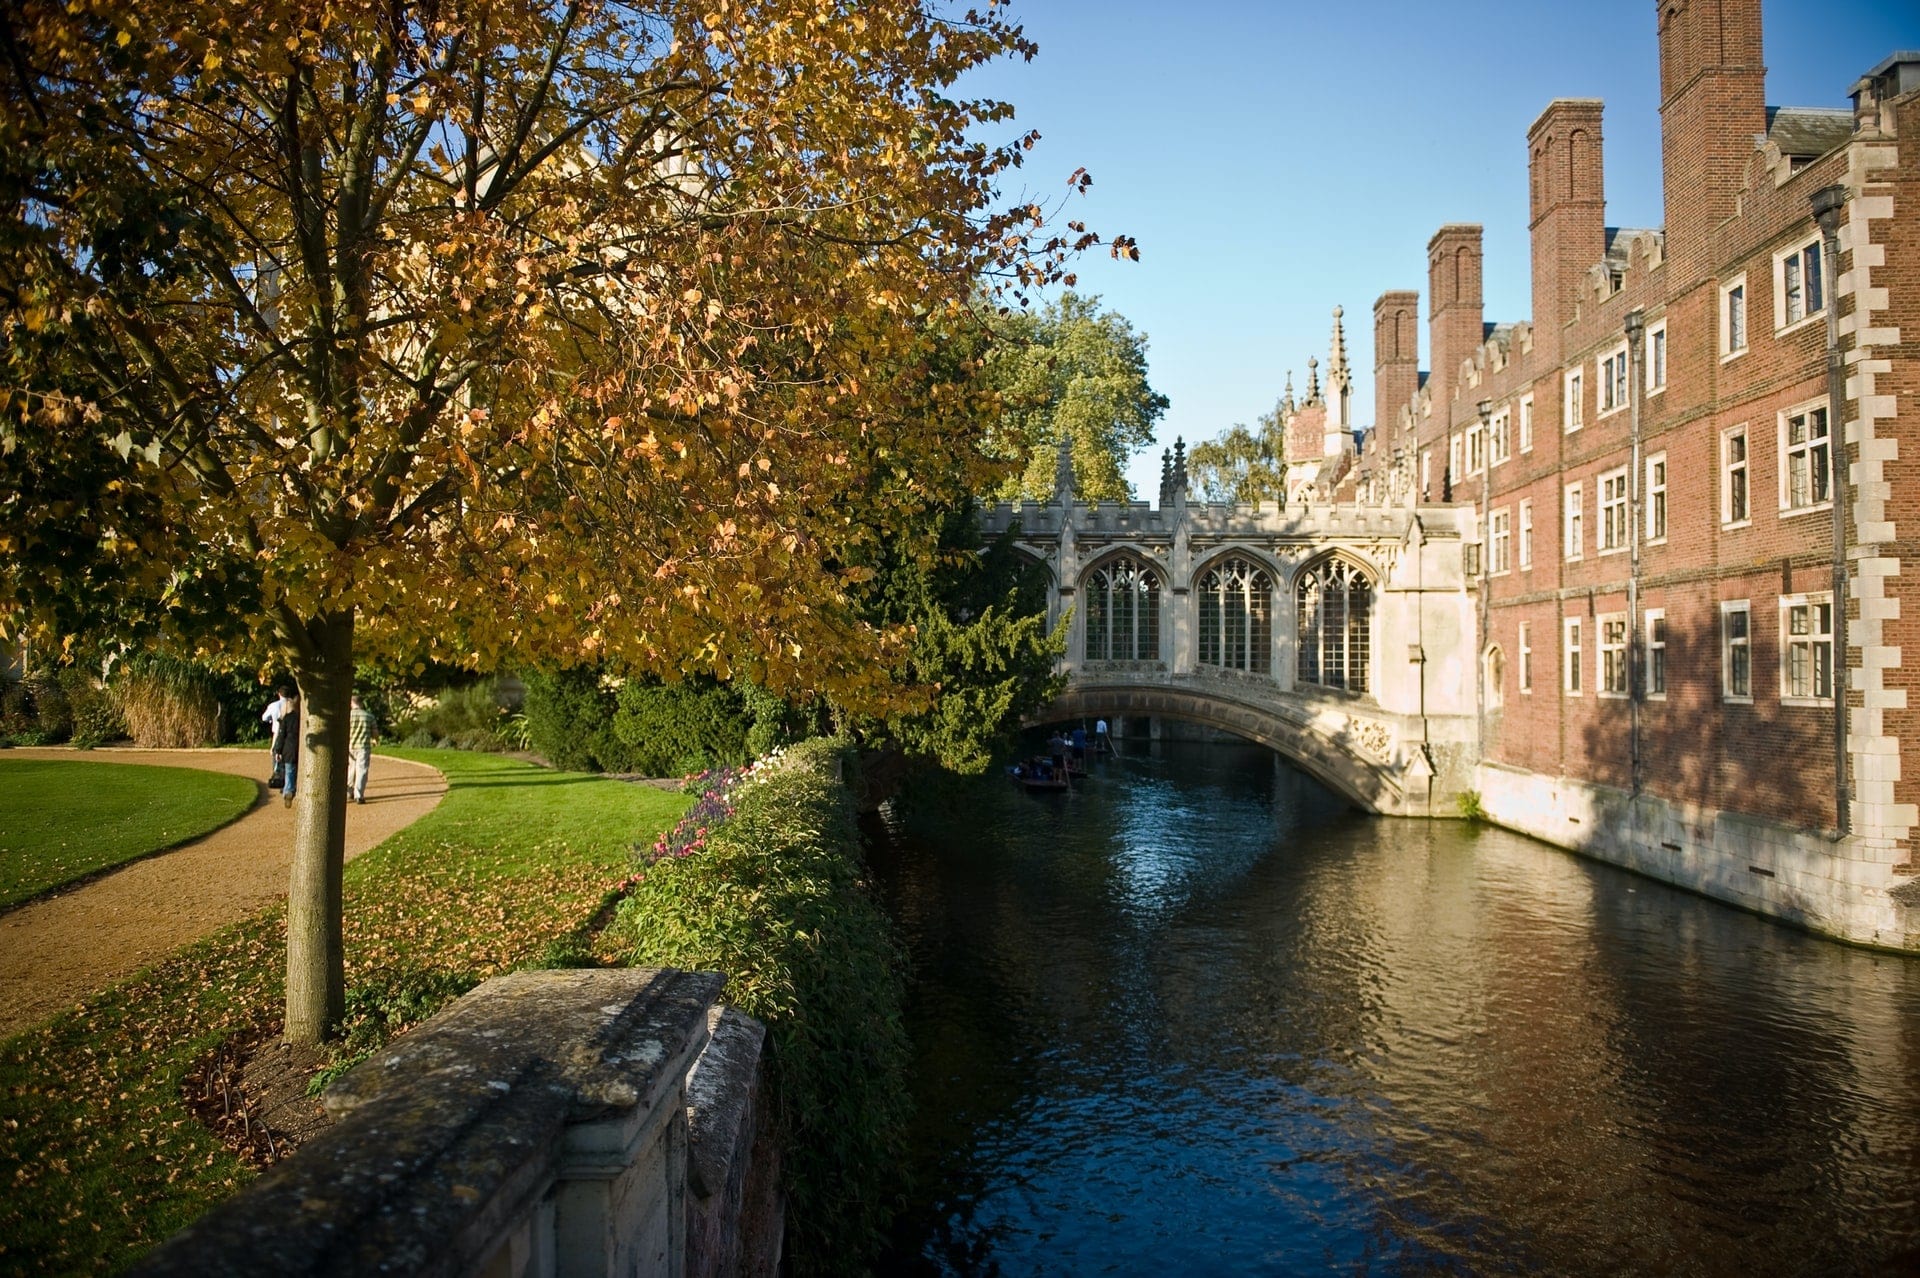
(1849, 889)
(547, 1124)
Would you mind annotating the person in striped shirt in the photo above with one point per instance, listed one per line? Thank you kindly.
(363, 730)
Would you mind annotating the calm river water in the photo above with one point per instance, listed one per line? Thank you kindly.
(1197, 1017)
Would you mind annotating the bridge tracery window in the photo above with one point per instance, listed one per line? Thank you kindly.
(1123, 612)
(1236, 617)
(1335, 603)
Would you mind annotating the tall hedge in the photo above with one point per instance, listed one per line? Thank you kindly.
(570, 720)
(581, 723)
(776, 900)
(675, 729)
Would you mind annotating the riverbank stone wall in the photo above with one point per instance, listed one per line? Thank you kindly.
(1850, 889)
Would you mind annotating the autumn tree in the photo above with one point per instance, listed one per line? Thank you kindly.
(1071, 369)
(1242, 465)
(448, 331)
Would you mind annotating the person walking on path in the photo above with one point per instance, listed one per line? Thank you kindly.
(286, 747)
(271, 717)
(363, 730)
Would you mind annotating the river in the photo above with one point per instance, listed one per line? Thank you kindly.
(1199, 1017)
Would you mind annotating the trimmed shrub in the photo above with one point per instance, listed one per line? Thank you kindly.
(580, 722)
(775, 899)
(569, 721)
(670, 730)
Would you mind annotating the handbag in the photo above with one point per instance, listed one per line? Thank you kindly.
(279, 777)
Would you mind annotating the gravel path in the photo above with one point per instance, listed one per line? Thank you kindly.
(56, 951)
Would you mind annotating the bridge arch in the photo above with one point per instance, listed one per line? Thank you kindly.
(1349, 755)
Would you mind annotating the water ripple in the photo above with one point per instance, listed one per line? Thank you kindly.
(1195, 1017)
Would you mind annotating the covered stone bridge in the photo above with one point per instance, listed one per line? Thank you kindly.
(1339, 637)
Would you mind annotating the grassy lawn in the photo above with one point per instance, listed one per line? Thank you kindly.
(61, 821)
(99, 1158)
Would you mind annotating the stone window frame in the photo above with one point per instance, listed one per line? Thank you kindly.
(1788, 452)
(1526, 423)
(1814, 603)
(1573, 406)
(1141, 619)
(1572, 649)
(1735, 319)
(1657, 357)
(1357, 633)
(1523, 547)
(1500, 438)
(1736, 651)
(1656, 499)
(1499, 542)
(1235, 587)
(1613, 678)
(1524, 672)
(1613, 387)
(1655, 648)
(1573, 517)
(1730, 469)
(1800, 255)
(1612, 510)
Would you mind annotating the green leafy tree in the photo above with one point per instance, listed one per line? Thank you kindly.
(445, 332)
(977, 615)
(1242, 465)
(1071, 369)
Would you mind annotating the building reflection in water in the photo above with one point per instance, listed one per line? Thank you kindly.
(1198, 1014)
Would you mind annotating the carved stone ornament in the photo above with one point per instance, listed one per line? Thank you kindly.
(1374, 737)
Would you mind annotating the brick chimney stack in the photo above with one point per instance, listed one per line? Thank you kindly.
(1396, 356)
(1712, 104)
(1569, 211)
(1455, 323)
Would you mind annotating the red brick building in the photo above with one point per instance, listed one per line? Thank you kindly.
(1653, 460)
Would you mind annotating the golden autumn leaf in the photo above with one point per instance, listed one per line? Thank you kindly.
(435, 333)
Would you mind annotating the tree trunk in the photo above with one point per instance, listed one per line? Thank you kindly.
(316, 959)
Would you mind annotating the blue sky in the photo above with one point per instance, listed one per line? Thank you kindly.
(1275, 159)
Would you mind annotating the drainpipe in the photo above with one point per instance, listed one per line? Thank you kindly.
(1482, 513)
(1636, 684)
(1417, 651)
(1827, 202)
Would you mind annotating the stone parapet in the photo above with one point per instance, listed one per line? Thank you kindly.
(547, 1124)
